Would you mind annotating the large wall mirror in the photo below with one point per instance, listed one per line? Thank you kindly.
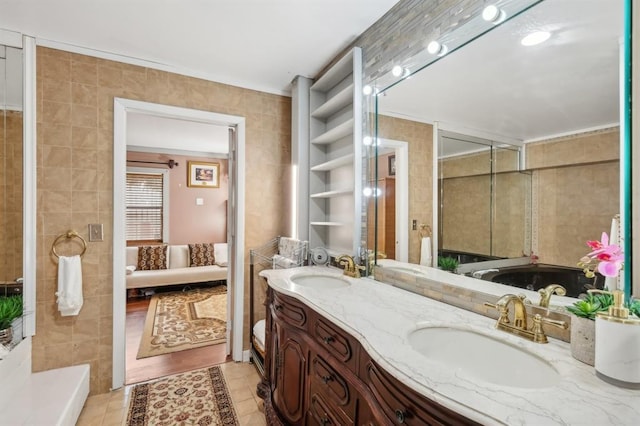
(524, 138)
(11, 120)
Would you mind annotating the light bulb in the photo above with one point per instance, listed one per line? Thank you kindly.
(367, 141)
(367, 90)
(396, 71)
(435, 48)
(493, 14)
(367, 192)
(535, 38)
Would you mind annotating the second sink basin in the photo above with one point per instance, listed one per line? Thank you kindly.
(320, 281)
(483, 357)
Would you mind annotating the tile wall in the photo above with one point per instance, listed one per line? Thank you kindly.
(420, 139)
(11, 195)
(75, 173)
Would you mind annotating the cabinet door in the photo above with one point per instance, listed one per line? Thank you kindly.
(291, 370)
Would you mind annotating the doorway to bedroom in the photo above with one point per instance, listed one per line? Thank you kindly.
(179, 218)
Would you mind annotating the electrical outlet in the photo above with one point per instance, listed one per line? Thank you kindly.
(96, 232)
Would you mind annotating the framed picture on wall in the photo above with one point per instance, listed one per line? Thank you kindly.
(392, 165)
(203, 175)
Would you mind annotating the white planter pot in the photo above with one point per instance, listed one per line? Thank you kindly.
(583, 339)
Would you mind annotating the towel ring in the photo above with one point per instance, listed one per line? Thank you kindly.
(68, 235)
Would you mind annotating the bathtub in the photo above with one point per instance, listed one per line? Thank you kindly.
(463, 257)
(535, 277)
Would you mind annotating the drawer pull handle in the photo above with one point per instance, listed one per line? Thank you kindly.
(328, 339)
(326, 379)
(278, 307)
(325, 421)
(400, 416)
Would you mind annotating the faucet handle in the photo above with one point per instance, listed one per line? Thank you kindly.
(538, 333)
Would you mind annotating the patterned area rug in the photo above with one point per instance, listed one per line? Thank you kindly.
(198, 397)
(179, 321)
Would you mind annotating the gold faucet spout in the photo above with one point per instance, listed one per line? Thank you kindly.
(545, 293)
(349, 265)
(519, 310)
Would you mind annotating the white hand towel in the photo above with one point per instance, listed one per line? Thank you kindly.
(425, 251)
(69, 285)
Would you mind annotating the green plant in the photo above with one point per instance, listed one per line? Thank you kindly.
(447, 263)
(591, 305)
(10, 309)
(634, 307)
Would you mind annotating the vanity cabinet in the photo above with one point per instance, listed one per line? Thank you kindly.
(318, 374)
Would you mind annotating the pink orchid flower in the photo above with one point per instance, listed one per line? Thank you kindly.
(610, 256)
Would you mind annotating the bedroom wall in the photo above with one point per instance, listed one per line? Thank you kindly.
(189, 222)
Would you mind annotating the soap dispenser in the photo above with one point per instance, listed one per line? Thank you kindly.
(617, 357)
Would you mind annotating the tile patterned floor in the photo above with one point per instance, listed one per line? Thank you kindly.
(110, 409)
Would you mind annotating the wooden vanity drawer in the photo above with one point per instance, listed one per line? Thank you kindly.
(289, 310)
(328, 382)
(404, 406)
(321, 414)
(335, 342)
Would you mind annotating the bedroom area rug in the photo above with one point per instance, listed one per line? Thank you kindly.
(197, 397)
(179, 321)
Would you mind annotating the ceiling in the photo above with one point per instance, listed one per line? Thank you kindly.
(256, 44)
(497, 86)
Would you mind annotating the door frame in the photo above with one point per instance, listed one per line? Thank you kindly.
(121, 107)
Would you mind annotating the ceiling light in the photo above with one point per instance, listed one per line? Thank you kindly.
(535, 38)
(435, 48)
(494, 14)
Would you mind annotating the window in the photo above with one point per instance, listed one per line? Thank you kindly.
(145, 206)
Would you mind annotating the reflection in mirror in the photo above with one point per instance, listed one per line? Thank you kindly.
(11, 150)
(558, 100)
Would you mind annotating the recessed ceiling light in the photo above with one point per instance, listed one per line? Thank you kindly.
(535, 38)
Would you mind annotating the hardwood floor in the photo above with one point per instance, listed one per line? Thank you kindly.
(140, 370)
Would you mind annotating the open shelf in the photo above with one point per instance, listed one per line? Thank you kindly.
(331, 194)
(335, 103)
(334, 134)
(333, 164)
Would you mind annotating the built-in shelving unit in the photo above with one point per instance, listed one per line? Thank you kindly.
(335, 156)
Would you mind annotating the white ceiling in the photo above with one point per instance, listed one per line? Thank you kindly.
(257, 44)
(495, 85)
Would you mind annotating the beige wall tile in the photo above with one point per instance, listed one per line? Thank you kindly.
(81, 192)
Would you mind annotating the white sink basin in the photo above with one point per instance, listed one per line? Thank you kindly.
(483, 357)
(320, 281)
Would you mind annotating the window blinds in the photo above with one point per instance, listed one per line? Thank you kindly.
(144, 207)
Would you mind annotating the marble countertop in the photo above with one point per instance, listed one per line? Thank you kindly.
(381, 317)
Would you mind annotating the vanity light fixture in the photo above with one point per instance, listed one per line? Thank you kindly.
(535, 38)
(435, 48)
(494, 14)
(368, 141)
(398, 71)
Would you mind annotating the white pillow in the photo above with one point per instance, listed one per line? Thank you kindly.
(220, 254)
(130, 269)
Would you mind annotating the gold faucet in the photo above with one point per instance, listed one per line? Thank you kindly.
(519, 325)
(349, 265)
(545, 293)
